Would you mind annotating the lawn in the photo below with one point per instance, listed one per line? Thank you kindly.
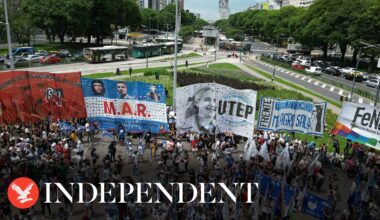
(181, 57)
(225, 66)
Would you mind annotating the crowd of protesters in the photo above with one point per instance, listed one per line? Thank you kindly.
(46, 153)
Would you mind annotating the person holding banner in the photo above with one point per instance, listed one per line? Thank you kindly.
(202, 112)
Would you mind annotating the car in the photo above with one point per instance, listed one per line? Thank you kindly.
(51, 59)
(356, 75)
(315, 70)
(332, 70)
(20, 62)
(365, 75)
(34, 58)
(304, 61)
(297, 66)
(347, 70)
(42, 53)
(372, 83)
(64, 53)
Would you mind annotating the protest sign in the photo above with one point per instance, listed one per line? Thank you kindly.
(291, 115)
(359, 123)
(214, 108)
(136, 106)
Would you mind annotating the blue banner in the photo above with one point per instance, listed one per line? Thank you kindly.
(134, 106)
(314, 205)
(275, 188)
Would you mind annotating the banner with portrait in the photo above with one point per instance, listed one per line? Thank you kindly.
(135, 106)
(359, 123)
(292, 115)
(36, 96)
(314, 206)
(214, 108)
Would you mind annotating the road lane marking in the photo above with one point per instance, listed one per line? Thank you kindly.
(310, 80)
(340, 92)
(360, 100)
(332, 89)
(372, 103)
(316, 83)
(292, 74)
(324, 85)
(297, 76)
(303, 78)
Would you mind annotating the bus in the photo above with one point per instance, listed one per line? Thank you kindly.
(146, 50)
(168, 47)
(106, 54)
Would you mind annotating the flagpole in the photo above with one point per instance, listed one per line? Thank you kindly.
(175, 53)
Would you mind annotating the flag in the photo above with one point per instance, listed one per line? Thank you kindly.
(106, 134)
(250, 150)
(280, 198)
(256, 205)
(283, 160)
(264, 152)
(301, 197)
(66, 127)
(311, 165)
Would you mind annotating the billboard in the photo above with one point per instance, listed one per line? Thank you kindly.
(36, 96)
(212, 107)
(292, 115)
(359, 123)
(137, 106)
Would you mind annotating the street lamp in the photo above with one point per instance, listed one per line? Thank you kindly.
(147, 45)
(175, 53)
(274, 66)
(8, 35)
(357, 66)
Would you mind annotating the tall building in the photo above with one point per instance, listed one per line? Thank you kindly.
(224, 10)
(153, 4)
(267, 5)
(298, 3)
(181, 3)
(163, 4)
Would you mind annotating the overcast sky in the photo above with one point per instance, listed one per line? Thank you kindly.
(209, 8)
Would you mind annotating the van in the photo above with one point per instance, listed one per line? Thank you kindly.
(23, 50)
(315, 70)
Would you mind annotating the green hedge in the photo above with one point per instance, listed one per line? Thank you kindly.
(160, 71)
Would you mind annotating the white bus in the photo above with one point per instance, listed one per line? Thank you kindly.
(106, 54)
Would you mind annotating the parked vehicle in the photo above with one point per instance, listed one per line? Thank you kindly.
(34, 58)
(19, 50)
(347, 70)
(296, 65)
(42, 53)
(357, 75)
(315, 70)
(21, 62)
(332, 70)
(64, 53)
(51, 59)
(304, 61)
(372, 83)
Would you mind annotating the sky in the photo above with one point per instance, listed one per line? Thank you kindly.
(209, 8)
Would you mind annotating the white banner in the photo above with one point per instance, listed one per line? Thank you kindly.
(378, 63)
(291, 115)
(213, 108)
(359, 123)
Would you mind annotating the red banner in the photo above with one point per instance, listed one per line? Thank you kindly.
(35, 96)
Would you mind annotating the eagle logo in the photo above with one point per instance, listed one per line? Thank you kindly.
(23, 193)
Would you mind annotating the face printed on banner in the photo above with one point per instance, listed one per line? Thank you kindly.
(98, 87)
(206, 104)
(122, 88)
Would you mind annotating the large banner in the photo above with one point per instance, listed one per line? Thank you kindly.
(33, 96)
(292, 115)
(136, 106)
(359, 123)
(212, 107)
(314, 206)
